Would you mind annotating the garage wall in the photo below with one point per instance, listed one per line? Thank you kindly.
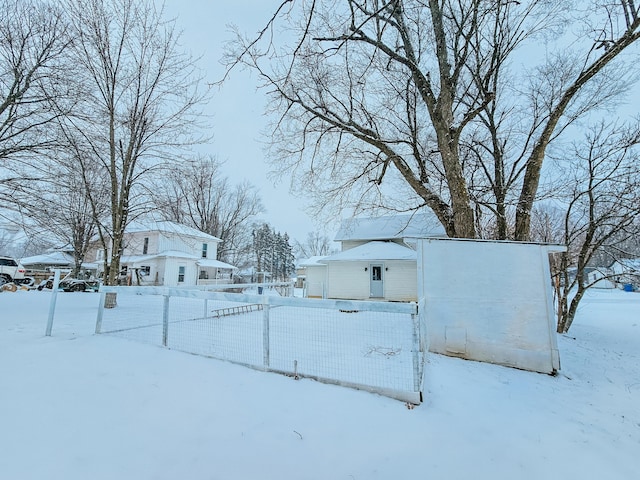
(489, 301)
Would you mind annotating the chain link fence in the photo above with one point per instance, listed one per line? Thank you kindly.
(375, 346)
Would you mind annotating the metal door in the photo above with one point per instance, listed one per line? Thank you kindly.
(376, 280)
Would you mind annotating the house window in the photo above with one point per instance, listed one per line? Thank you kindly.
(204, 250)
(204, 275)
(181, 269)
(100, 255)
(376, 273)
(145, 247)
(145, 271)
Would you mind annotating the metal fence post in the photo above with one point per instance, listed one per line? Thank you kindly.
(206, 308)
(165, 321)
(103, 296)
(52, 305)
(265, 330)
(416, 353)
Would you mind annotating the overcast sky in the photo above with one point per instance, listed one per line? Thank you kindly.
(238, 109)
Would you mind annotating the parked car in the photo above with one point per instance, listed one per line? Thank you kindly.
(78, 285)
(12, 271)
(68, 284)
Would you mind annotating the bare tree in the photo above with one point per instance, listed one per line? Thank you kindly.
(197, 194)
(316, 244)
(139, 105)
(421, 95)
(602, 198)
(33, 93)
(57, 204)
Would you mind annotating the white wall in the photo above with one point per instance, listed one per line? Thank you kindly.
(348, 280)
(316, 281)
(489, 301)
(187, 244)
(134, 243)
(400, 281)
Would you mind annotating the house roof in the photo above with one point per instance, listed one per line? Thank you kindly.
(390, 227)
(203, 262)
(53, 258)
(373, 251)
(166, 226)
(312, 261)
(207, 262)
(164, 254)
(628, 263)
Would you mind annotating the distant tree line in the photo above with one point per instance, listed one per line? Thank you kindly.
(273, 253)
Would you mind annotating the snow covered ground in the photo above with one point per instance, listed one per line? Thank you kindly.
(81, 406)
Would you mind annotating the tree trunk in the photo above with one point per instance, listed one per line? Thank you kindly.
(567, 319)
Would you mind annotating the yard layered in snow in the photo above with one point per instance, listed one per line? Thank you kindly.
(81, 406)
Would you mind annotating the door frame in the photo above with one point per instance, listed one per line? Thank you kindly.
(376, 286)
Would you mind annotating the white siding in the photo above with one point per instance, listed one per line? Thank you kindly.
(190, 245)
(134, 243)
(348, 280)
(316, 281)
(349, 244)
(400, 281)
(172, 270)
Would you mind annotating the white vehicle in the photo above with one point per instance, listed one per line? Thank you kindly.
(11, 271)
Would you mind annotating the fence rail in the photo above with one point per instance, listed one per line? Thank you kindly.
(375, 346)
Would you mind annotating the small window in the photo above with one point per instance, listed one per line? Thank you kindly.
(181, 273)
(145, 247)
(204, 250)
(204, 275)
(376, 273)
(145, 271)
(100, 255)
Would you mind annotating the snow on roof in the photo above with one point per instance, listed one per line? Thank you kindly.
(52, 258)
(373, 251)
(312, 261)
(166, 226)
(629, 263)
(207, 262)
(164, 254)
(390, 227)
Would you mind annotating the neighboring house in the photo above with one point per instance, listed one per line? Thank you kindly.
(49, 261)
(40, 267)
(626, 271)
(169, 254)
(378, 260)
(595, 277)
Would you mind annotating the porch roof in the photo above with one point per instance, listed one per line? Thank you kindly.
(210, 263)
(373, 251)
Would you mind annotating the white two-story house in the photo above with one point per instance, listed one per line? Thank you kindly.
(378, 260)
(169, 254)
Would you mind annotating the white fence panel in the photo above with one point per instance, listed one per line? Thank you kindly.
(374, 346)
